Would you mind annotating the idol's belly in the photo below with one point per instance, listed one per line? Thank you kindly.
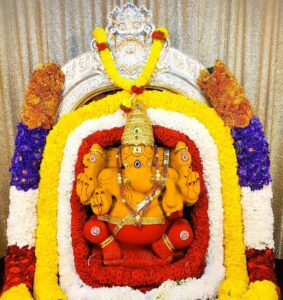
(143, 235)
(120, 210)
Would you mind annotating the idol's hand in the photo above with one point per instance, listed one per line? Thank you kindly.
(192, 187)
(85, 188)
(172, 200)
(101, 201)
(93, 162)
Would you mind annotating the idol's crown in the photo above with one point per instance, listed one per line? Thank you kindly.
(138, 129)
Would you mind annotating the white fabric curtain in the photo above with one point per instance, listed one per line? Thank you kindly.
(246, 34)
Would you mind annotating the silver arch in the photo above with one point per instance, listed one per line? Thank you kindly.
(86, 77)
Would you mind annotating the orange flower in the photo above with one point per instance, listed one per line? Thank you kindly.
(225, 95)
(43, 96)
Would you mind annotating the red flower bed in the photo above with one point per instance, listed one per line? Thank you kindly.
(190, 265)
(261, 264)
(19, 267)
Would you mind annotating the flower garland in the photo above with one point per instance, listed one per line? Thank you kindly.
(136, 86)
(40, 105)
(22, 207)
(17, 292)
(228, 99)
(43, 96)
(261, 265)
(29, 146)
(19, 267)
(252, 155)
(236, 275)
(258, 221)
(258, 218)
(225, 95)
(49, 215)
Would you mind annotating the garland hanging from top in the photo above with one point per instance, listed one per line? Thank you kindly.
(136, 86)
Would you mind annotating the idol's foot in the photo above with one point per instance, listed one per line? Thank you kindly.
(111, 249)
(163, 248)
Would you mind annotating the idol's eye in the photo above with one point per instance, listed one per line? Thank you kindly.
(92, 158)
(137, 150)
(137, 25)
(185, 157)
(122, 26)
(137, 130)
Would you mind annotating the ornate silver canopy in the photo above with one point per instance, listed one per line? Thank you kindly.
(129, 37)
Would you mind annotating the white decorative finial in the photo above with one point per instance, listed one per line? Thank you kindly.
(129, 20)
(129, 38)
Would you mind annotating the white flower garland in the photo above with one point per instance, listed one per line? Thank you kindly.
(258, 217)
(22, 219)
(192, 288)
(207, 285)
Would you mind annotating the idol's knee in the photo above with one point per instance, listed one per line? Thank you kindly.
(180, 234)
(96, 231)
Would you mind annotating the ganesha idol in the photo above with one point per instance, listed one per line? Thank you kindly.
(137, 193)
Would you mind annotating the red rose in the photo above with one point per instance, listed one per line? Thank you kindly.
(137, 89)
(158, 35)
(101, 46)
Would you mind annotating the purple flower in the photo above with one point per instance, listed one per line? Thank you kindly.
(252, 154)
(27, 157)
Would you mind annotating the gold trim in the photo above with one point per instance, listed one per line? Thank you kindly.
(132, 220)
(167, 242)
(181, 148)
(107, 241)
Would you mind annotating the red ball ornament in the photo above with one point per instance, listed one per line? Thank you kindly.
(180, 234)
(96, 231)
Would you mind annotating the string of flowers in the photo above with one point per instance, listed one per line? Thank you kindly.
(136, 86)
(225, 95)
(40, 105)
(29, 147)
(228, 98)
(252, 155)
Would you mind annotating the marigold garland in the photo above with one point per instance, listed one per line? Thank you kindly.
(261, 290)
(225, 95)
(236, 282)
(43, 96)
(41, 101)
(135, 86)
(17, 292)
